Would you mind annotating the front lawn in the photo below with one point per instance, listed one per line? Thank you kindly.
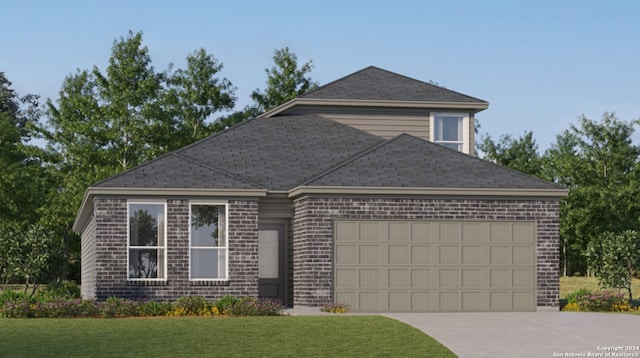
(339, 336)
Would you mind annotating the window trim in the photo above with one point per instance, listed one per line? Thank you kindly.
(129, 247)
(465, 129)
(226, 240)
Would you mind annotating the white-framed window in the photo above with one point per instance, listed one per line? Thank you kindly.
(208, 242)
(147, 242)
(451, 130)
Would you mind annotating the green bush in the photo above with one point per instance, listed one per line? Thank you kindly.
(575, 295)
(192, 306)
(584, 300)
(225, 303)
(65, 289)
(251, 306)
(154, 308)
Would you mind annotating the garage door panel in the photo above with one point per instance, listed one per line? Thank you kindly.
(449, 232)
(368, 301)
(368, 278)
(499, 255)
(499, 278)
(471, 255)
(448, 301)
(471, 278)
(420, 278)
(448, 255)
(522, 255)
(346, 278)
(346, 254)
(471, 301)
(399, 278)
(369, 232)
(346, 231)
(471, 232)
(369, 255)
(449, 278)
(500, 232)
(522, 278)
(400, 231)
(420, 255)
(399, 254)
(420, 232)
(423, 266)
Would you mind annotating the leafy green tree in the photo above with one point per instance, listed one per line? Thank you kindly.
(285, 81)
(520, 154)
(597, 160)
(105, 122)
(614, 259)
(22, 178)
(195, 93)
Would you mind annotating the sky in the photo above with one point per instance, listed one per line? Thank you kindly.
(540, 64)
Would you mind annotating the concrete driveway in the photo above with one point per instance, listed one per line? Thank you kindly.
(531, 334)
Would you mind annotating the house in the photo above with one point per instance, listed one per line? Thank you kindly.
(364, 192)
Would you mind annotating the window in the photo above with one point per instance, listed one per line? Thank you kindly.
(147, 241)
(208, 242)
(450, 130)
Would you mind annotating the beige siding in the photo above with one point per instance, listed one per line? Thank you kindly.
(422, 266)
(88, 260)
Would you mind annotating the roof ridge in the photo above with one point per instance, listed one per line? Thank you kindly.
(213, 135)
(427, 83)
(338, 80)
(356, 157)
(395, 74)
(219, 171)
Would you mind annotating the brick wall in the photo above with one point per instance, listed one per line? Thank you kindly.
(111, 253)
(313, 235)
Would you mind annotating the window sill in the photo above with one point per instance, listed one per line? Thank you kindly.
(210, 283)
(147, 283)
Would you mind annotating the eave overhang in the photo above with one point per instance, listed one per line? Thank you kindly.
(87, 202)
(470, 106)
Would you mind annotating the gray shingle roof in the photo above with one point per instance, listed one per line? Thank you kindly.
(373, 83)
(172, 171)
(407, 161)
(281, 153)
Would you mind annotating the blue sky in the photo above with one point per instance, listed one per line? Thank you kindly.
(540, 64)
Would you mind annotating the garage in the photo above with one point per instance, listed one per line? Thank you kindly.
(435, 266)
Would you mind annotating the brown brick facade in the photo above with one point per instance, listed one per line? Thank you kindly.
(313, 235)
(111, 254)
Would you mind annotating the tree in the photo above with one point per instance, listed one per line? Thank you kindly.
(285, 81)
(520, 154)
(598, 161)
(196, 93)
(22, 178)
(614, 258)
(105, 122)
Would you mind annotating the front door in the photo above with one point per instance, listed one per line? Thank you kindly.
(271, 262)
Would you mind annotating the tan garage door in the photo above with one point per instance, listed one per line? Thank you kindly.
(422, 266)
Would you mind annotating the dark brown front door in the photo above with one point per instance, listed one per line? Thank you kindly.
(271, 262)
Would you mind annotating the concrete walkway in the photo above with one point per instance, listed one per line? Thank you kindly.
(531, 334)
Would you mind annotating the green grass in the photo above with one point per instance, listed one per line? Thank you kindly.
(570, 284)
(338, 336)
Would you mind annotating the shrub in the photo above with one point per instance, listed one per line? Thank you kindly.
(153, 308)
(335, 308)
(225, 303)
(66, 289)
(585, 300)
(193, 306)
(252, 306)
(11, 296)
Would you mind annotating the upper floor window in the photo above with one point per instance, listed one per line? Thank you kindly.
(147, 241)
(451, 130)
(208, 248)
